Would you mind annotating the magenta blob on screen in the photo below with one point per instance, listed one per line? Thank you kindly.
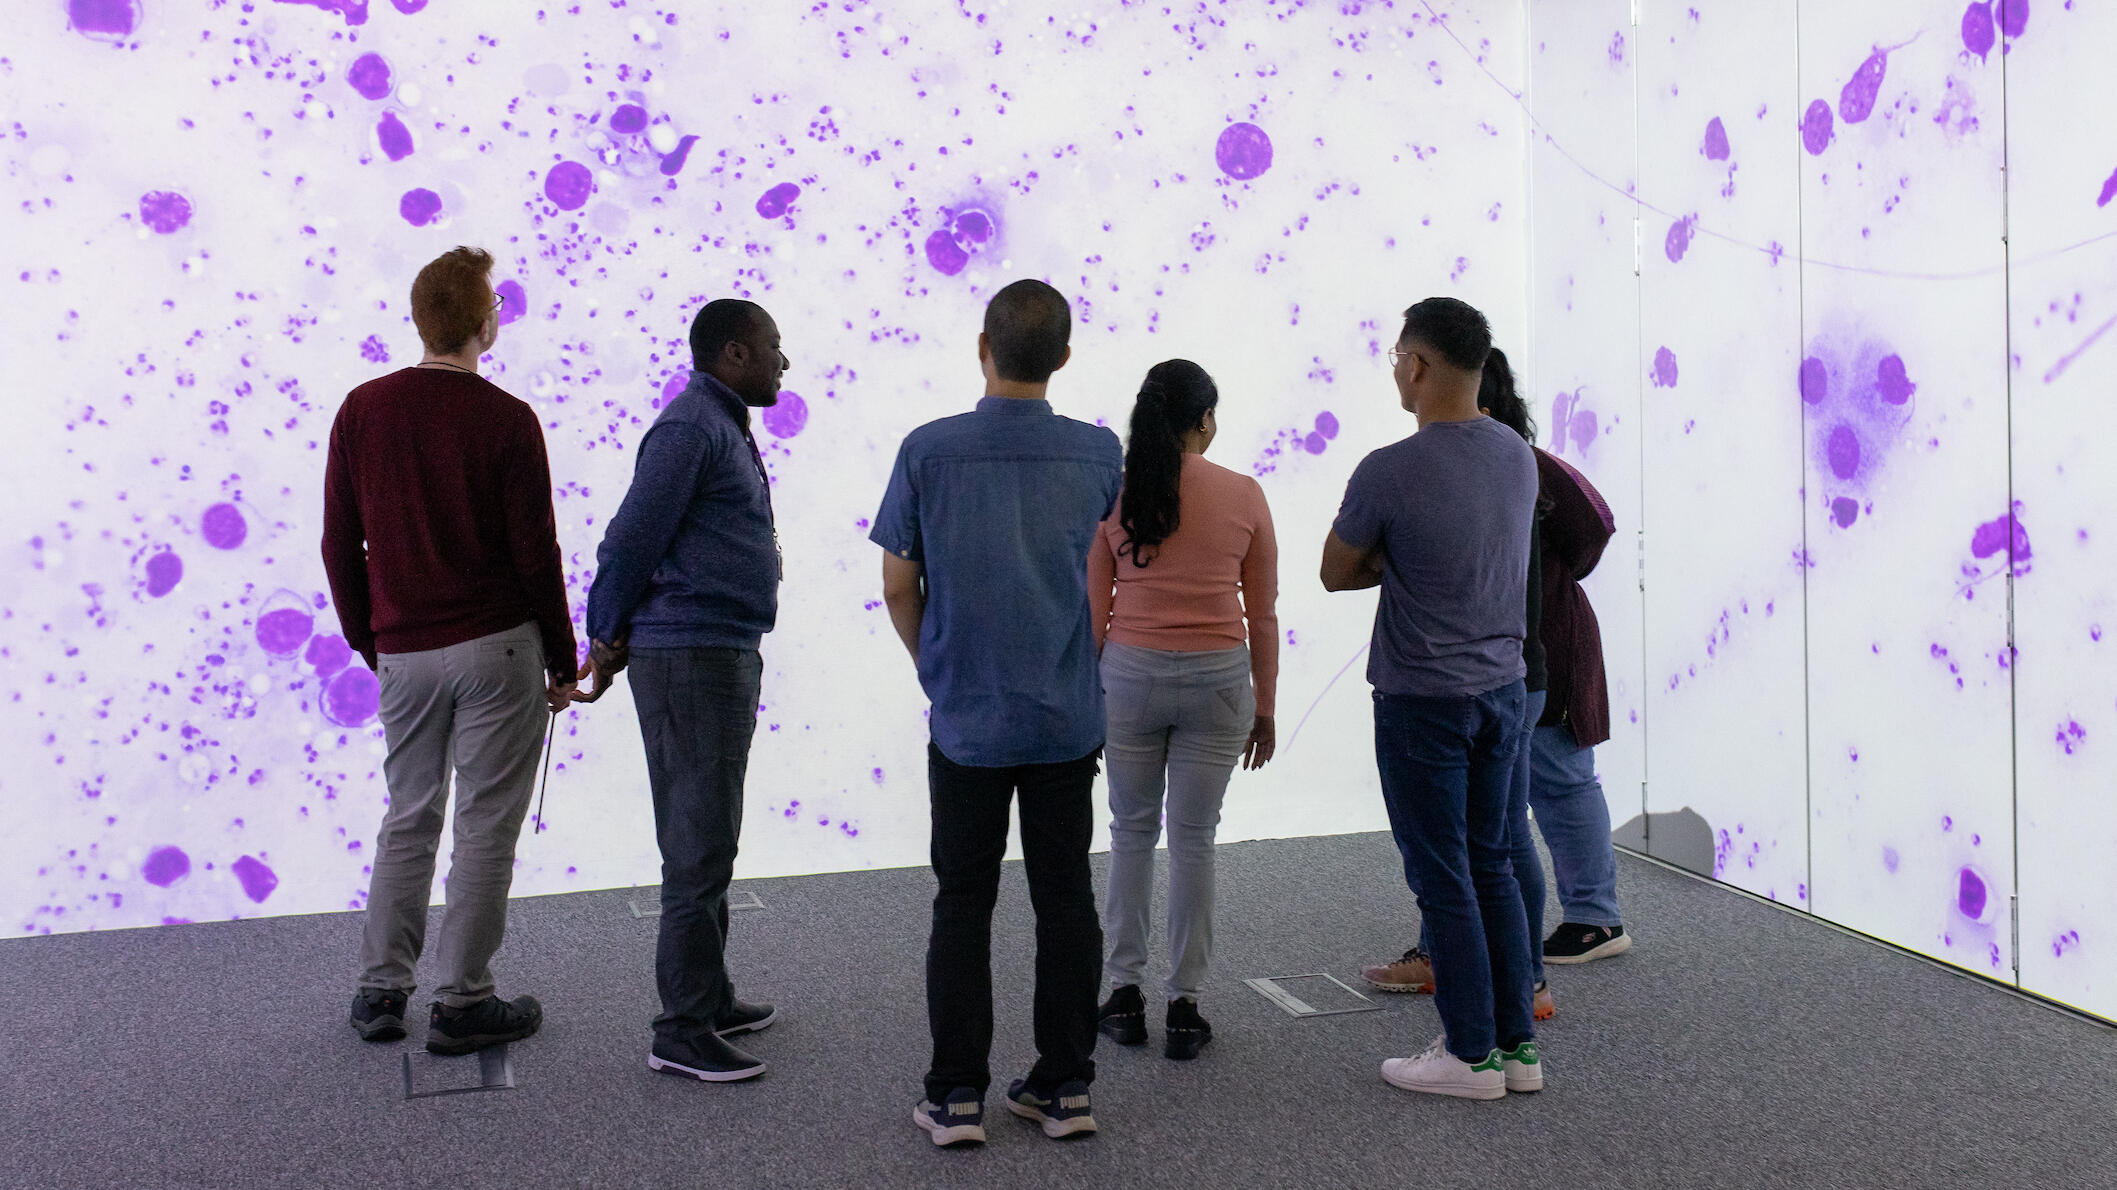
(211, 256)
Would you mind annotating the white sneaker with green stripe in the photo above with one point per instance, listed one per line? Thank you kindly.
(1524, 1068)
(1438, 1072)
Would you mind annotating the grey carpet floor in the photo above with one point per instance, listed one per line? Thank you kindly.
(1735, 1046)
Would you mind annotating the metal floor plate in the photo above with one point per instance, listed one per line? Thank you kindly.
(427, 1075)
(1315, 994)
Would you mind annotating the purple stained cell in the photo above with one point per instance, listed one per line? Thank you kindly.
(164, 211)
(1815, 128)
(327, 654)
(370, 76)
(1856, 99)
(1844, 511)
(2109, 190)
(1327, 424)
(355, 12)
(164, 571)
(419, 207)
(223, 526)
(514, 303)
(351, 697)
(374, 350)
(972, 228)
(787, 416)
(408, 7)
(677, 382)
(111, 18)
(258, 881)
(1314, 443)
(1243, 151)
(1890, 858)
(165, 866)
(628, 119)
(284, 630)
(1977, 29)
(774, 202)
(568, 185)
(2013, 16)
(1584, 428)
(1678, 241)
(2003, 534)
(1890, 381)
(1971, 896)
(1664, 368)
(1815, 380)
(1715, 148)
(1843, 451)
(395, 138)
(673, 164)
(945, 254)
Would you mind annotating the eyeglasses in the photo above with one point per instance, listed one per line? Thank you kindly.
(498, 300)
(1397, 355)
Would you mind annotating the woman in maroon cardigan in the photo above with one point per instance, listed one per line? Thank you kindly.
(1568, 800)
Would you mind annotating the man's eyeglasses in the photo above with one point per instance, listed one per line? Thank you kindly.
(1397, 355)
(498, 300)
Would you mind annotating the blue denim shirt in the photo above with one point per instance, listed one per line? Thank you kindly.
(690, 560)
(1001, 505)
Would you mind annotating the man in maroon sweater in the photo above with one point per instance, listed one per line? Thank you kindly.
(443, 559)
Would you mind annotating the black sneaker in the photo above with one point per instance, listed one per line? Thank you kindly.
(491, 1021)
(1123, 1017)
(960, 1119)
(1187, 1031)
(709, 1058)
(745, 1018)
(1576, 943)
(378, 1013)
(1063, 1113)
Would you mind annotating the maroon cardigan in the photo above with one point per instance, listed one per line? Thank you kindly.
(1574, 532)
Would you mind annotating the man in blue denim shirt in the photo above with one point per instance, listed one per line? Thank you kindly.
(987, 523)
(1440, 521)
(686, 584)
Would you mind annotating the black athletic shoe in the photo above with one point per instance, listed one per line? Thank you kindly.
(1123, 1017)
(378, 1013)
(1576, 943)
(745, 1018)
(1187, 1031)
(491, 1021)
(709, 1058)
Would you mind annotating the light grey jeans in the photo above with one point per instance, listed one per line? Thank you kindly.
(1177, 721)
(478, 708)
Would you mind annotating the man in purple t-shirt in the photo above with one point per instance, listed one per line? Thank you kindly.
(1440, 521)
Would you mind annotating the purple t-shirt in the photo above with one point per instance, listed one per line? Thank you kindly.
(1450, 509)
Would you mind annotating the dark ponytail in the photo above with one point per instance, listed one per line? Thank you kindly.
(1496, 395)
(1173, 400)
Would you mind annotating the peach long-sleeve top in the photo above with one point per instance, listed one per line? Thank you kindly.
(1216, 573)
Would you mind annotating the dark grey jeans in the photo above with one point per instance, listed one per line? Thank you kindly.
(698, 712)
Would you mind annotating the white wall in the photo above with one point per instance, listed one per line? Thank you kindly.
(1847, 375)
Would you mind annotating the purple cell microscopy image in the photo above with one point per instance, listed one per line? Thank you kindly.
(164, 571)
(1816, 128)
(1243, 151)
(568, 185)
(370, 76)
(628, 119)
(1715, 147)
(774, 202)
(103, 18)
(786, 418)
(164, 211)
(394, 137)
(419, 207)
(165, 866)
(223, 526)
(258, 881)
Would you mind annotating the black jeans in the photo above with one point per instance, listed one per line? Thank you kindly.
(969, 838)
(698, 712)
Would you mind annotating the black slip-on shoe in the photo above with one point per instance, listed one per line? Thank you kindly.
(1123, 1017)
(1187, 1032)
(708, 1059)
(745, 1018)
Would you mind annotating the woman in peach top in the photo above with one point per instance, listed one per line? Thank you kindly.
(1181, 587)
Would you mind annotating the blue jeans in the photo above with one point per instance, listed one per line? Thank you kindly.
(1521, 846)
(698, 712)
(1575, 819)
(1447, 768)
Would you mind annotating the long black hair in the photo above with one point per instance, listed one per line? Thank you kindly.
(1496, 396)
(1173, 400)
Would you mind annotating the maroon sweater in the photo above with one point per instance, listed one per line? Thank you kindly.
(437, 521)
(1573, 535)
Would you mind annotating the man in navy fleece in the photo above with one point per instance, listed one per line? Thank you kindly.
(687, 583)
